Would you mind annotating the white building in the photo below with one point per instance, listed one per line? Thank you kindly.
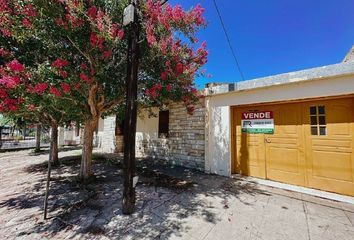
(307, 138)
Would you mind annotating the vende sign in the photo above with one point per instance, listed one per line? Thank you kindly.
(257, 115)
(257, 122)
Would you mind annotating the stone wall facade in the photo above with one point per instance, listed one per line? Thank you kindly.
(185, 145)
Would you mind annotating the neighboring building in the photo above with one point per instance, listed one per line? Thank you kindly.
(312, 143)
(174, 136)
(296, 128)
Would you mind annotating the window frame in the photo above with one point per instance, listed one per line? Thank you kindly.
(164, 118)
(316, 124)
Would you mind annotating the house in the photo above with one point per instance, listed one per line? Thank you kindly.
(295, 128)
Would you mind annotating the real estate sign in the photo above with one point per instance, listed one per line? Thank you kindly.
(257, 122)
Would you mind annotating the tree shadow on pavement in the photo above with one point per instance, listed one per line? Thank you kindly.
(45, 151)
(171, 201)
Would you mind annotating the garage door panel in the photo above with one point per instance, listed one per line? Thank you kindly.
(330, 158)
(332, 165)
(287, 141)
(339, 129)
(250, 158)
(284, 159)
(333, 143)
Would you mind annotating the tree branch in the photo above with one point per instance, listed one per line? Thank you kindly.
(82, 53)
(108, 106)
(91, 99)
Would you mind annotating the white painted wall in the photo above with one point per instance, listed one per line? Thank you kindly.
(218, 146)
(146, 128)
(292, 91)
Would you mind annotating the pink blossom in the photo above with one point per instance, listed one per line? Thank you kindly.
(3, 52)
(31, 107)
(194, 91)
(83, 66)
(164, 75)
(40, 88)
(53, 90)
(15, 66)
(10, 81)
(107, 54)
(92, 71)
(190, 109)
(29, 11)
(116, 31)
(65, 87)
(169, 88)
(26, 23)
(92, 12)
(96, 41)
(59, 22)
(3, 93)
(179, 69)
(120, 34)
(4, 6)
(158, 86)
(84, 77)
(60, 63)
(6, 32)
(151, 93)
(77, 86)
(63, 74)
(198, 15)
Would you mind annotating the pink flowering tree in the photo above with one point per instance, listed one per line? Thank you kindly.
(79, 58)
(32, 93)
(174, 57)
(78, 63)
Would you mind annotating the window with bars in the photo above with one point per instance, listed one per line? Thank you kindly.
(318, 120)
(164, 120)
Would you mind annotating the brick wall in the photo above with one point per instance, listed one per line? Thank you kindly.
(185, 145)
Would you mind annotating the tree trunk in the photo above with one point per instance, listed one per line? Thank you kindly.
(90, 126)
(130, 117)
(38, 137)
(54, 144)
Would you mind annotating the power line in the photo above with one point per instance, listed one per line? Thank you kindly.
(228, 40)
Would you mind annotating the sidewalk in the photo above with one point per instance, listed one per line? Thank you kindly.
(212, 207)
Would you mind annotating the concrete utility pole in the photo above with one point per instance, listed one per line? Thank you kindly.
(131, 19)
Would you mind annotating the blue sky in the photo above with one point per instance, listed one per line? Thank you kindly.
(274, 36)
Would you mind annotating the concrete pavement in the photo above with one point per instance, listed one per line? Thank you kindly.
(212, 208)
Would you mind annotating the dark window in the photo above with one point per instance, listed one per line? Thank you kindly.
(313, 110)
(313, 130)
(321, 110)
(164, 119)
(313, 120)
(318, 120)
(322, 130)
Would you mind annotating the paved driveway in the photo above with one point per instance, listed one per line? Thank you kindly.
(212, 207)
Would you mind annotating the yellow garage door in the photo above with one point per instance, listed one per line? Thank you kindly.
(330, 145)
(312, 145)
